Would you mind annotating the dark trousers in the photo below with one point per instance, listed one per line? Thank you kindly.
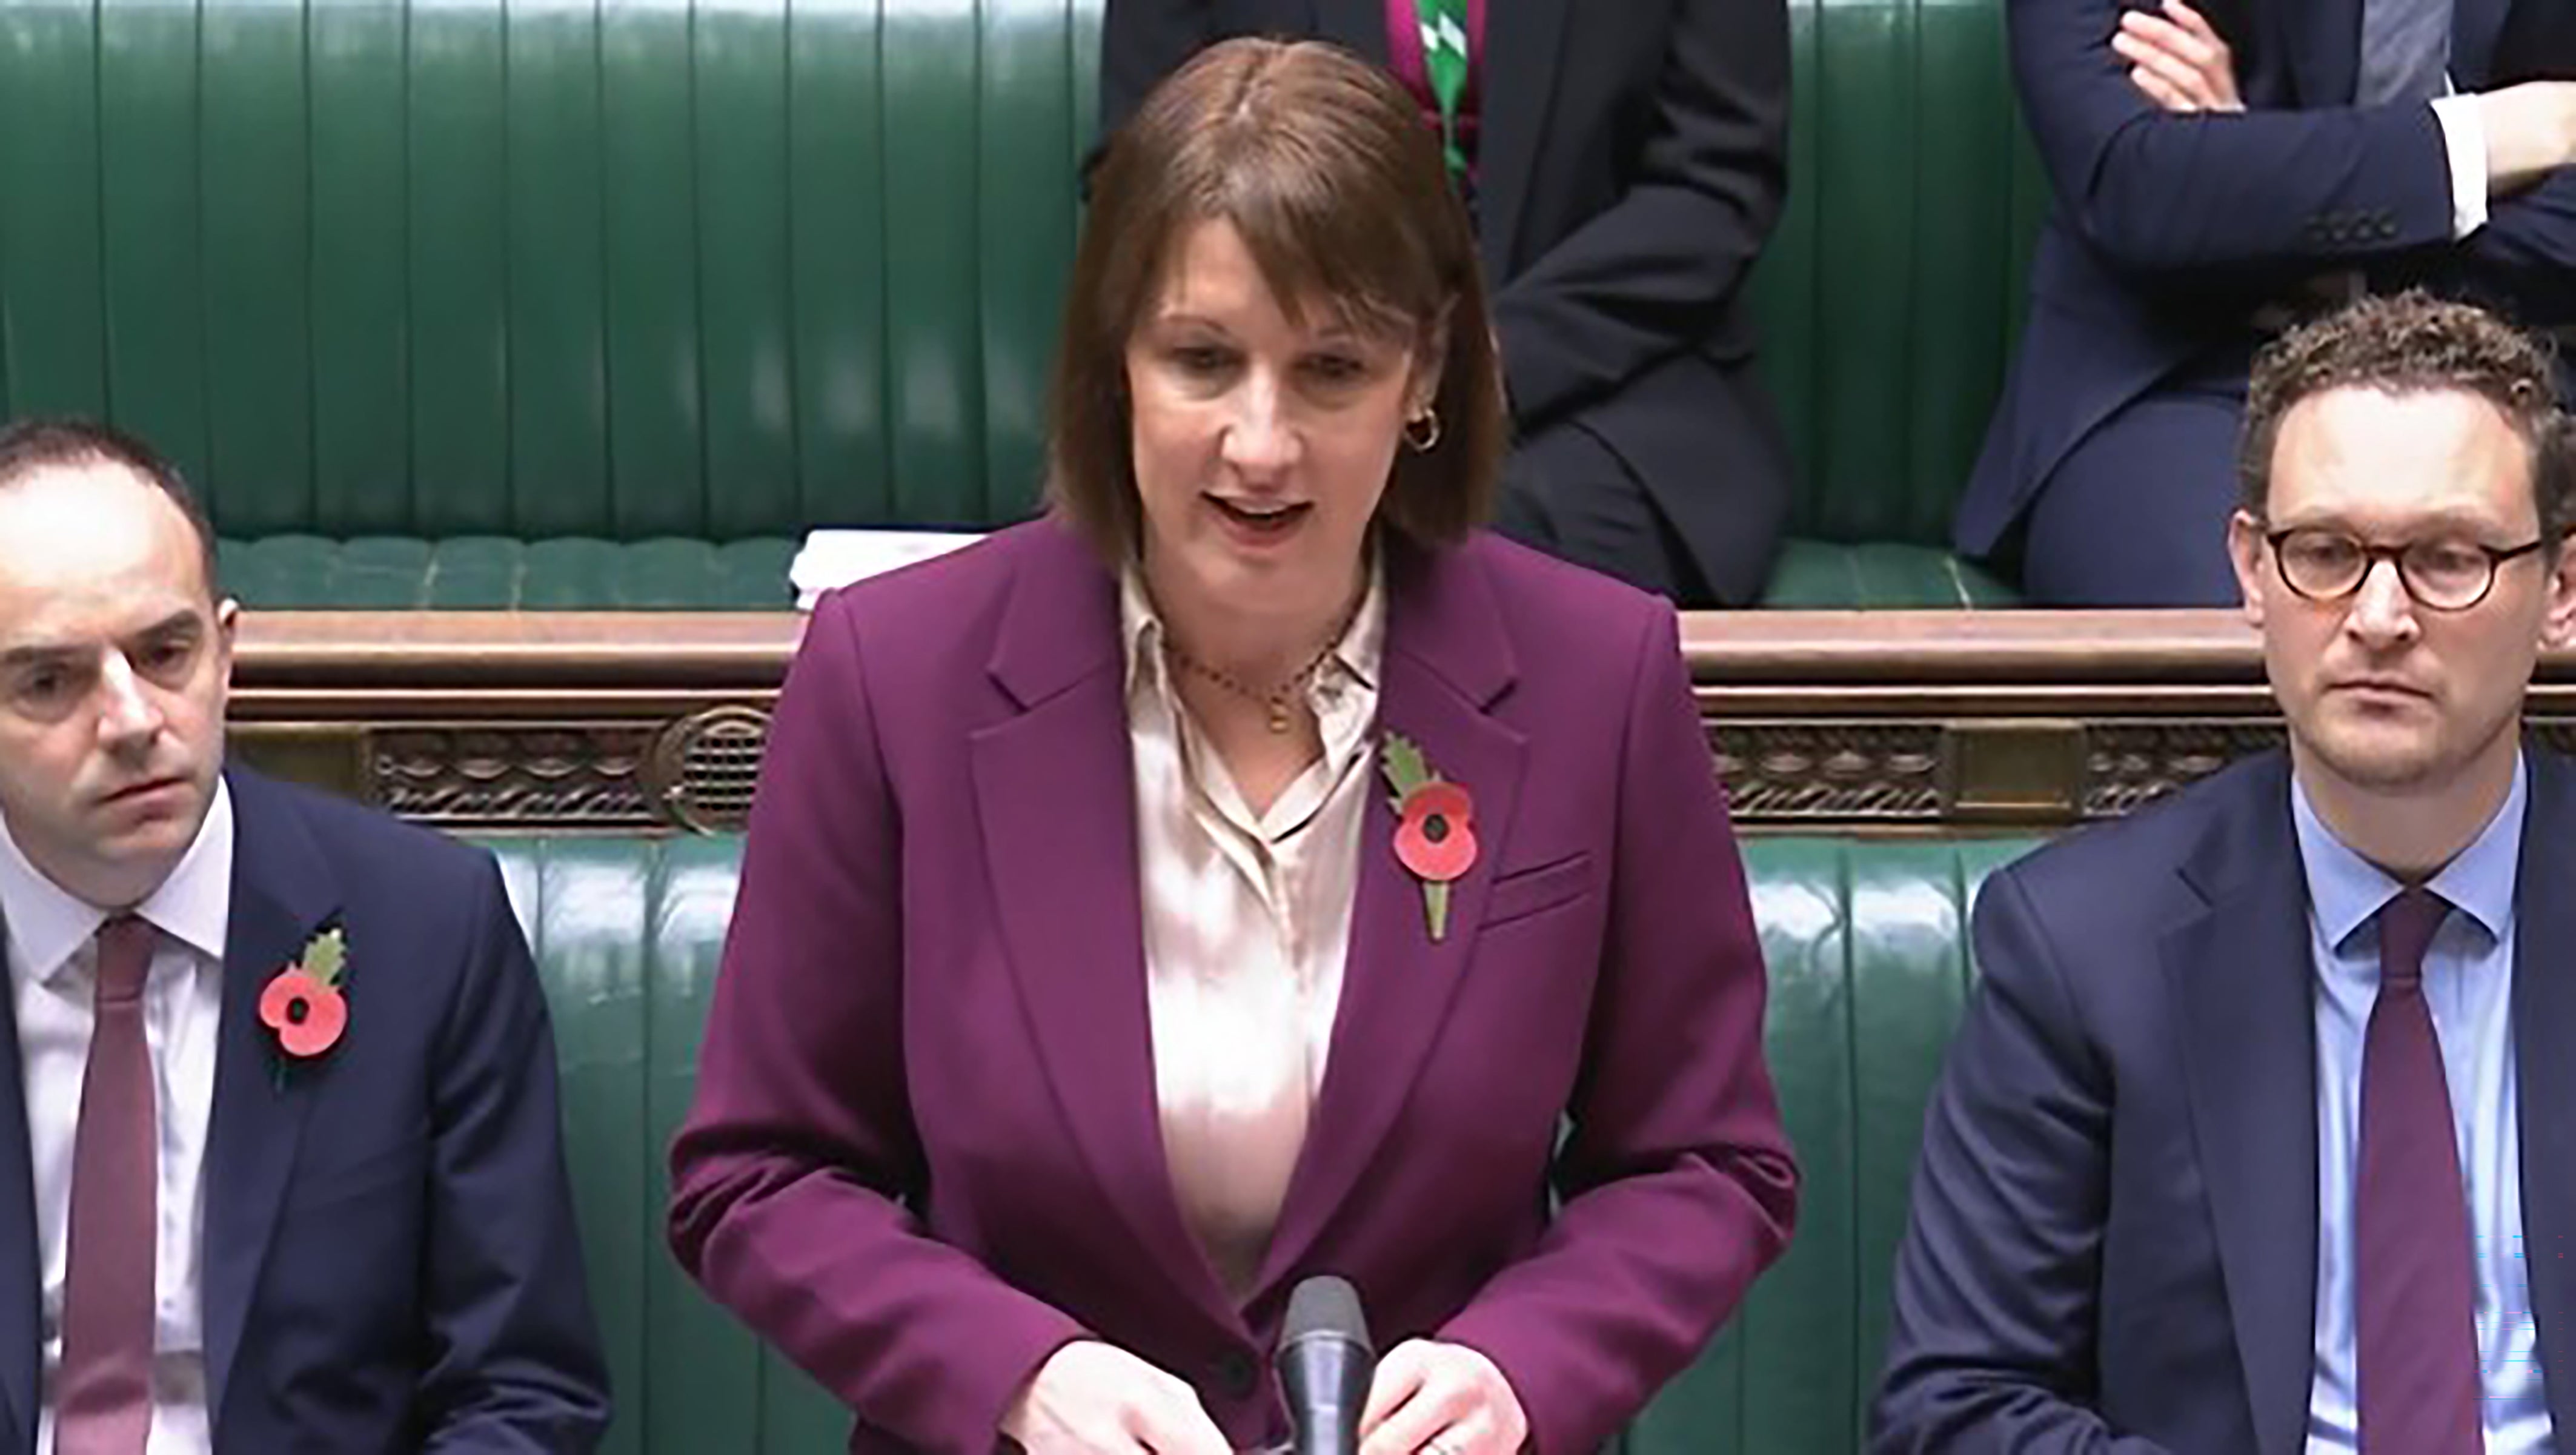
(1565, 493)
(2136, 514)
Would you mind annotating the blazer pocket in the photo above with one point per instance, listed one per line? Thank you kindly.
(1526, 892)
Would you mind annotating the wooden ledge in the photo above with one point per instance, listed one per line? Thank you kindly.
(1927, 647)
(750, 649)
(1818, 721)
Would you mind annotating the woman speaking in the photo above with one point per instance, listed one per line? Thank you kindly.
(1626, 161)
(1250, 870)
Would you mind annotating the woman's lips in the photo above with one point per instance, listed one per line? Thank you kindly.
(1259, 525)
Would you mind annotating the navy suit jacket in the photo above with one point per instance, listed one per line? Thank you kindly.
(389, 1258)
(2113, 1242)
(1628, 175)
(2169, 231)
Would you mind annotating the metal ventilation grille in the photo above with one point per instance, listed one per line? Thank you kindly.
(706, 767)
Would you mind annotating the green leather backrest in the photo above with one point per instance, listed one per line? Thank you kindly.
(1865, 945)
(627, 933)
(534, 268)
(530, 268)
(1867, 948)
(1893, 291)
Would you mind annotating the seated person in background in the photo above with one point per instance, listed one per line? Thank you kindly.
(280, 1162)
(2263, 1091)
(1623, 168)
(2220, 173)
(1239, 875)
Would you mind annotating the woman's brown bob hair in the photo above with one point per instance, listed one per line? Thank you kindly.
(1323, 164)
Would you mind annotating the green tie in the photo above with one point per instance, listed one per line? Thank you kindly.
(1444, 59)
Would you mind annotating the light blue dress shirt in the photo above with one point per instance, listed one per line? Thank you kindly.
(2468, 983)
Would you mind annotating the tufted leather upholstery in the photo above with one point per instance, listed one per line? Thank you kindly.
(527, 269)
(411, 280)
(1865, 943)
(1893, 290)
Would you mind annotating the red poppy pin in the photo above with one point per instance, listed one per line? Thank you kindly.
(1435, 828)
(305, 1005)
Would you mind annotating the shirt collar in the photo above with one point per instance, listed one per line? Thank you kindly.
(2347, 890)
(48, 924)
(1360, 651)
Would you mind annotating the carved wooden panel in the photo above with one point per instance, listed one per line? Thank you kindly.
(503, 776)
(1788, 772)
(1816, 721)
(2129, 763)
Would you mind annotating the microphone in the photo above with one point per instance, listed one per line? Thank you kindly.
(1325, 1364)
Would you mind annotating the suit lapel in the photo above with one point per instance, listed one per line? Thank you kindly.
(2242, 973)
(1055, 799)
(2544, 1019)
(1525, 43)
(2325, 50)
(283, 891)
(21, 1317)
(1446, 661)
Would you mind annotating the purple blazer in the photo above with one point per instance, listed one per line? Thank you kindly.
(925, 1149)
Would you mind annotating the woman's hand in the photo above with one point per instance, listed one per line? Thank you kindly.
(2178, 59)
(1440, 1399)
(1091, 1398)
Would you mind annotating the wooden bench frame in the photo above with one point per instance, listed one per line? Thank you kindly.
(1837, 721)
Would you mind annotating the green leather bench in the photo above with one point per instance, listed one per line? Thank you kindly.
(1865, 942)
(491, 303)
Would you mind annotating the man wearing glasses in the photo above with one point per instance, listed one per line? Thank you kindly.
(2231, 1152)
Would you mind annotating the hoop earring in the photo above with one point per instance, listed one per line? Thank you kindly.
(1428, 422)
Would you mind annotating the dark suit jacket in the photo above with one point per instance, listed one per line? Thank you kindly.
(2170, 231)
(2113, 1244)
(390, 1263)
(925, 1150)
(1628, 174)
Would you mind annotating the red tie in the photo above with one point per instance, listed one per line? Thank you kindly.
(2416, 1289)
(103, 1392)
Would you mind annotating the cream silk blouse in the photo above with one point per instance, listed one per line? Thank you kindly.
(1247, 919)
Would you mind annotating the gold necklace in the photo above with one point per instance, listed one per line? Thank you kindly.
(1276, 700)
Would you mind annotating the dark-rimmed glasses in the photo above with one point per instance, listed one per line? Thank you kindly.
(2441, 574)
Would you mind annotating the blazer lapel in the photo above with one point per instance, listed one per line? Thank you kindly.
(2242, 973)
(283, 890)
(2544, 1019)
(2325, 50)
(1446, 662)
(1525, 43)
(21, 1317)
(1055, 799)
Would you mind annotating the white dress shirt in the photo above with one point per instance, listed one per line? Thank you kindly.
(2464, 145)
(53, 952)
(1247, 918)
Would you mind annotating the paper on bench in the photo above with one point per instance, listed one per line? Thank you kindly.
(832, 558)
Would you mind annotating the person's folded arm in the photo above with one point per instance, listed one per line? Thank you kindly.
(2524, 259)
(1678, 1180)
(2157, 191)
(789, 1174)
(1995, 1296)
(1649, 275)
